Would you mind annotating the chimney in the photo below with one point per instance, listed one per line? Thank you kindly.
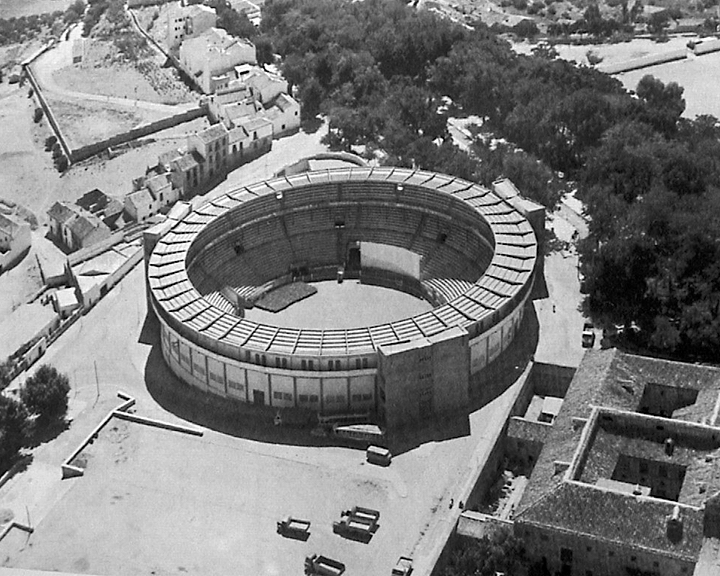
(674, 525)
(669, 446)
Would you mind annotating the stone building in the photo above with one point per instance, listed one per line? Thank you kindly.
(628, 475)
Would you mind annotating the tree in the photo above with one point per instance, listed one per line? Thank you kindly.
(264, 51)
(501, 552)
(6, 370)
(46, 393)
(13, 424)
(526, 29)
(664, 104)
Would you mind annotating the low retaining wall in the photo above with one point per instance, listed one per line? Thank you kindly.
(645, 61)
(48, 111)
(71, 471)
(706, 46)
(85, 152)
(28, 529)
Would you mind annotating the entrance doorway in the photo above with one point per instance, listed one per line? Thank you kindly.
(258, 397)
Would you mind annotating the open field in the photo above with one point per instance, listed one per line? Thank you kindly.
(101, 74)
(700, 76)
(16, 8)
(86, 122)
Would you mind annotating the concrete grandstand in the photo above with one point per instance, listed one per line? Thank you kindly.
(463, 248)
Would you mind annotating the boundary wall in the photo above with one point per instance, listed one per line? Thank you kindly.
(48, 111)
(84, 152)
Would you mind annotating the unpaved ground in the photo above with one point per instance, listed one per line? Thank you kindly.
(86, 122)
(16, 8)
(700, 76)
(149, 496)
(101, 73)
(26, 170)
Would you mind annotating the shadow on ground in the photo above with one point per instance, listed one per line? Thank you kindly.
(41, 433)
(257, 422)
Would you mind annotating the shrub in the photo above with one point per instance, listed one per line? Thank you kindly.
(37, 116)
(13, 426)
(46, 393)
(50, 142)
(61, 163)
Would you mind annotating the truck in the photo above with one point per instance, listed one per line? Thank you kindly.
(358, 523)
(403, 567)
(588, 335)
(323, 566)
(294, 527)
(378, 455)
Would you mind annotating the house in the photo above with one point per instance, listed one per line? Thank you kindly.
(259, 132)
(187, 22)
(27, 325)
(627, 479)
(76, 228)
(105, 207)
(210, 58)
(284, 113)
(15, 240)
(65, 302)
(152, 194)
(264, 85)
(212, 146)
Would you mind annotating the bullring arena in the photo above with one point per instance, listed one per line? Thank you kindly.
(456, 245)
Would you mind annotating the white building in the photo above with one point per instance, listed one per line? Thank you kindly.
(265, 86)
(156, 193)
(14, 240)
(284, 113)
(210, 58)
(188, 21)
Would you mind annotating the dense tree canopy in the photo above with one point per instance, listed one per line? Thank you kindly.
(387, 76)
(13, 422)
(46, 393)
(499, 553)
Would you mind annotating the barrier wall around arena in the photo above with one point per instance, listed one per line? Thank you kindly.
(254, 238)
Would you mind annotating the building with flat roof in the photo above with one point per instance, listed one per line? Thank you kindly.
(15, 239)
(210, 58)
(628, 477)
(25, 326)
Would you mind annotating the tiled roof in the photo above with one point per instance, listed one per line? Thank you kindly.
(185, 162)
(624, 519)
(616, 381)
(166, 158)
(141, 198)
(158, 183)
(84, 224)
(176, 298)
(283, 101)
(254, 123)
(8, 224)
(213, 133)
(61, 212)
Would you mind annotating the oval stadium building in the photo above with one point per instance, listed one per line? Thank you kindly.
(456, 245)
